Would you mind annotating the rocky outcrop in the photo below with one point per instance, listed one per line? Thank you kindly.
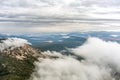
(18, 48)
(23, 52)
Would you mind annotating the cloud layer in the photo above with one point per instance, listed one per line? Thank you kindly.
(41, 14)
(101, 62)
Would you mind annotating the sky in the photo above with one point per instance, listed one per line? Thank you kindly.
(59, 15)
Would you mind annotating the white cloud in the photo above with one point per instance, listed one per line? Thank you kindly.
(12, 43)
(49, 41)
(69, 69)
(66, 37)
(101, 62)
(101, 52)
(114, 35)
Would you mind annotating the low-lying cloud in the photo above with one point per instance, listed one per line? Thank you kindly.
(99, 51)
(12, 43)
(101, 62)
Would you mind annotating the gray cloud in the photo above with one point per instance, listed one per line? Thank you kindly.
(46, 12)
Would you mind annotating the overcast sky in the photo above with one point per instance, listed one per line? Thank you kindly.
(59, 15)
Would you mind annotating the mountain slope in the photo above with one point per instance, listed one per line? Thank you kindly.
(16, 59)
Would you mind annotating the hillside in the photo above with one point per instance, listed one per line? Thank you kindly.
(16, 59)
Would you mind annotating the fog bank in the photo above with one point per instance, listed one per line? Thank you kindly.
(101, 62)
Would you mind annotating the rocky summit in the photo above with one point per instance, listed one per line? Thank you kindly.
(16, 59)
(22, 52)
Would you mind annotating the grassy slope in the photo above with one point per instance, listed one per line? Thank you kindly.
(13, 69)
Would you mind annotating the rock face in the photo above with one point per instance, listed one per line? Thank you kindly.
(16, 59)
(23, 52)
